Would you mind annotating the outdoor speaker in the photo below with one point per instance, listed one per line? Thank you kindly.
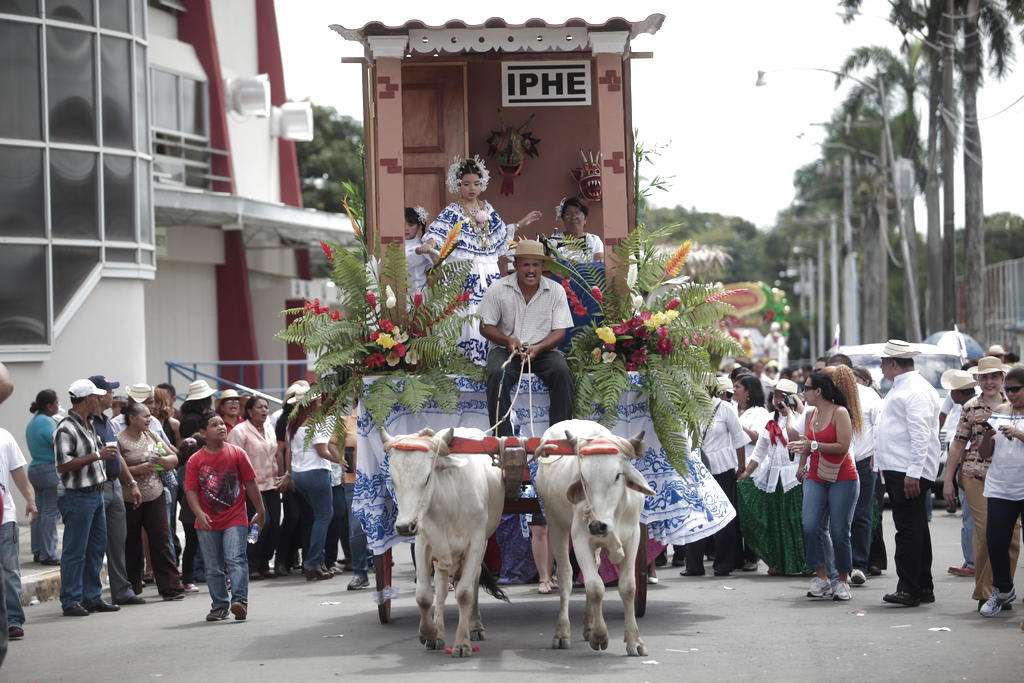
(294, 121)
(250, 96)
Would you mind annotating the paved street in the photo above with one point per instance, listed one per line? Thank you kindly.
(702, 629)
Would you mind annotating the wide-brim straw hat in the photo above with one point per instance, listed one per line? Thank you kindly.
(293, 387)
(787, 386)
(199, 390)
(988, 365)
(724, 384)
(897, 348)
(530, 249)
(140, 393)
(957, 380)
(228, 394)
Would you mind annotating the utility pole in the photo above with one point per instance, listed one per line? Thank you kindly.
(851, 308)
(949, 136)
(808, 267)
(821, 298)
(833, 263)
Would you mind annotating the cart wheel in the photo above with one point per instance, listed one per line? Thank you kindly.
(640, 599)
(382, 576)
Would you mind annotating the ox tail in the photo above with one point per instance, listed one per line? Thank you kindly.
(490, 584)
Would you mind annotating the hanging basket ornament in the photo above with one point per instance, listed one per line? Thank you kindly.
(510, 145)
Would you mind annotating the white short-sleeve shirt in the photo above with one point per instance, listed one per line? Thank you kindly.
(11, 458)
(305, 458)
(505, 307)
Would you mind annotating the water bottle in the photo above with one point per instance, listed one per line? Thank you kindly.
(254, 533)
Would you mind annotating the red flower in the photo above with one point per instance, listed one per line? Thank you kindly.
(375, 360)
(598, 296)
(631, 366)
(417, 299)
(374, 336)
(463, 298)
(565, 283)
(662, 332)
(371, 299)
(335, 315)
(673, 304)
(386, 325)
(664, 347)
(327, 251)
(399, 350)
(620, 329)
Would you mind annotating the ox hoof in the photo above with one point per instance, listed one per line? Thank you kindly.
(559, 643)
(477, 634)
(463, 650)
(586, 634)
(598, 642)
(434, 644)
(637, 650)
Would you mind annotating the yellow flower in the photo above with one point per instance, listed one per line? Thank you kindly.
(656, 320)
(670, 316)
(606, 335)
(386, 341)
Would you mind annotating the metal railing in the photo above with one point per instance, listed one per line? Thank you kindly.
(184, 160)
(1004, 303)
(259, 370)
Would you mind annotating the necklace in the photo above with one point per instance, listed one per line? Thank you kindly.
(478, 220)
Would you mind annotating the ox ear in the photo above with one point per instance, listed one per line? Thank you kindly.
(444, 462)
(636, 481)
(426, 431)
(575, 492)
(385, 438)
(637, 442)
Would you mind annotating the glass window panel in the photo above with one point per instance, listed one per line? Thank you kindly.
(141, 101)
(140, 18)
(148, 257)
(23, 318)
(114, 15)
(29, 7)
(145, 213)
(21, 192)
(73, 194)
(19, 81)
(165, 99)
(119, 198)
(120, 255)
(70, 75)
(116, 90)
(71, 266)
(79, 11)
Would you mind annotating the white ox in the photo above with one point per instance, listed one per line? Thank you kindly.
(594, 499)
(452, 504)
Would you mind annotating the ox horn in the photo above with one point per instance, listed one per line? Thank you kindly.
(385, 438)
(637, 442)
(573, 441)
(443, 439)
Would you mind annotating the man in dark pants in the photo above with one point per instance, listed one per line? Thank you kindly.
(907, 453)
(526, 315)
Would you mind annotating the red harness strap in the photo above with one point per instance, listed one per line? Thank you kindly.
(489, 445)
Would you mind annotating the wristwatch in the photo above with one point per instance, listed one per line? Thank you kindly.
(814, 446)
(132, 483)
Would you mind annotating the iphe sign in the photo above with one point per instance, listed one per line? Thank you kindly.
(545, 84)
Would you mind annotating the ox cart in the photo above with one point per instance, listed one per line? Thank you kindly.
(684, 508)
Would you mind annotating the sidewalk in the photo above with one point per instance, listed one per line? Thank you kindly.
(40, 582)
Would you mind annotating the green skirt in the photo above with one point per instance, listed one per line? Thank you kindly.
(772, 525)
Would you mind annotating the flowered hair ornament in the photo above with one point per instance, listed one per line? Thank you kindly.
(421, 214)
(461, 166)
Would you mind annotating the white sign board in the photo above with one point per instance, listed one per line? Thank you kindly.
(545, 84)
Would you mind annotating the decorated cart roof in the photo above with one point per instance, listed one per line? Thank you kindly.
(534, 35)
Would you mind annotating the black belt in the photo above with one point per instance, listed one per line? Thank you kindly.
(95, 488)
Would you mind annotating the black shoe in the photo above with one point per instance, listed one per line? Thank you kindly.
(749, 566)
(678, 563)
(240, 610)
(901, 598)
(927, 597)
(35, 557)
(722, 574)
(15, 632)
(874, 571)
(76, 610)
(281, 570)
(49, 563)
(317, 575)
(134, 600)
(102, 606)
(688, 573)
(358, 583)
(217, 614)
(169, 597)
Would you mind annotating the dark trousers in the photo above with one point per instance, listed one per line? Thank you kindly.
(860, 530)
(189, 554)
(337, 531)
(291, 537)
(878, 557)
(263, 549)
(727, 542)
(552, 369)
(151, 516)
(1002, 517)
(913, 554)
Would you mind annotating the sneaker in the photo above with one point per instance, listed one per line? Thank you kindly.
(358, 582)
(191, 588)
(15, 632)
(841, 591)
(240, 610)
(217, 614)
(994, 605)
(857, 578)
(820, 589)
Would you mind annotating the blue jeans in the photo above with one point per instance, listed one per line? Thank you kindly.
(11, 573)
(356, 537)
(966, 531)
(85, 541)
(315, 487)
(860, 530)
(837, 500)
(224, 553)
(43, 477)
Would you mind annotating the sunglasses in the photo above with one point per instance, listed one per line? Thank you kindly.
(1012, 390)
(809, 387)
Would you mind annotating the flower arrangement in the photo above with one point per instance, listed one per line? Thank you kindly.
(658, 324)
(404, 345)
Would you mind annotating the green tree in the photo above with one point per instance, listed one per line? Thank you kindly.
(333, 156)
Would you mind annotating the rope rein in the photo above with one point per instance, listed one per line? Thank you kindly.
(524, 367)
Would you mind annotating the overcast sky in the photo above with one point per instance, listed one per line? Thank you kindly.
(732, 148)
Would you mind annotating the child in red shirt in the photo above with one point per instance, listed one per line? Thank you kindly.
(215, 477)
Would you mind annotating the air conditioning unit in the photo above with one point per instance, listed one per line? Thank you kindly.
(293, 121)
(249, 96)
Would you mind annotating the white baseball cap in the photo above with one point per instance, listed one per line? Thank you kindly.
(83, 388)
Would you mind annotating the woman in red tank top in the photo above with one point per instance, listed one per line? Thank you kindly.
(830, 482)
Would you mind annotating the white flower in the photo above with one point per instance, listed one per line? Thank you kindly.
(607, 356)
(631, 275)
(412, 357)
(390, 301)
(638, 302)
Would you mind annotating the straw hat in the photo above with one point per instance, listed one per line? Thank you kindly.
(996, 350)
(199, 390)
(228, 394)
(771, 365)
(787, 386)
(293, 387)
(531, 249)
(298, 394)
(723, 384)
(957, 380)
(897, 348)
(140, 393)
(987, 366)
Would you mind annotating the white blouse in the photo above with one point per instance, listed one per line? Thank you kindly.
(723, 436)
(305, 458)
(753, 419)
(1005, 478)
